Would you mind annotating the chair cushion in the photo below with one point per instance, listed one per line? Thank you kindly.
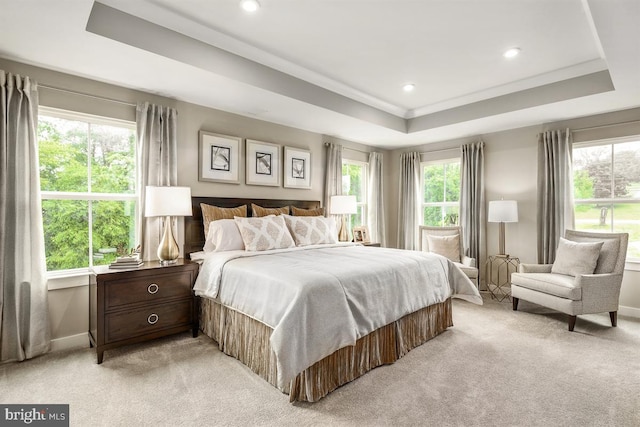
(559, 285)
(574, 259)
(471, 272)
(447, 246)
(608, 253)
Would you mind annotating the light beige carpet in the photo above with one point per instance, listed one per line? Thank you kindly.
(495, 367)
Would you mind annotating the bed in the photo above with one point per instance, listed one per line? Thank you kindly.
(311, 318)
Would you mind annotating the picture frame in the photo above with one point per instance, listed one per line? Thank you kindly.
(361, 234)
(263, 163)
(297, 168)
(219, 158)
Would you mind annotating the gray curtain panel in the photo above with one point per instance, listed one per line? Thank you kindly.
(333, 176)
(409, 201)
(472, 201)
(156, 130)
(555, 191)
(24, 318)
(376, 199)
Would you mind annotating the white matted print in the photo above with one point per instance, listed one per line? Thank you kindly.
(219, 158)
(297, 168)
(263, 163)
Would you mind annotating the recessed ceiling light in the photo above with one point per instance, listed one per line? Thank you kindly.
(409, 87)
(512, 53)
(250, 5)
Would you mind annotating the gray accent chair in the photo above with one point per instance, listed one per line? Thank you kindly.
(466, 264)
(583, 294)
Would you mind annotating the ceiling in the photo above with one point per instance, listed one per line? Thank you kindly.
(337, 67)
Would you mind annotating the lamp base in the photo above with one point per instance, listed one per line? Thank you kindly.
(168, 251)
(343, 234)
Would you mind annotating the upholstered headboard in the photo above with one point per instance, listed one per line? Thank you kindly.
(194, 227)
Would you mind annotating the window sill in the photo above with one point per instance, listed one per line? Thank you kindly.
(67, 279)
(632, 265)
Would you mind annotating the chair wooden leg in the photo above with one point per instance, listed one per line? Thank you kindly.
(515, 303)
(572, 323)
(614, 318)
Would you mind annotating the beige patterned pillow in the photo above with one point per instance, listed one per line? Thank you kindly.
(307, 212)
(574, 259)
(214, 213)
(259, 211)
(264, 233)
(447, 246)
(312, 230)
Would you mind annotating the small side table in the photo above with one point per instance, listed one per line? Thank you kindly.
(499, 269)
(377, 245)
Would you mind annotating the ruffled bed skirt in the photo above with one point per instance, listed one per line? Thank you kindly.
(247, 340)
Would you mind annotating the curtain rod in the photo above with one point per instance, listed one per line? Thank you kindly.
(117, 101)
(440, 151)
(326, 144)
(604, 126)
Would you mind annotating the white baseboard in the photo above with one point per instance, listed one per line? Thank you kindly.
(629, 311)
(70, 342)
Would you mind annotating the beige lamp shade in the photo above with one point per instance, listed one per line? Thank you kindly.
(167, 202)
(343, 205)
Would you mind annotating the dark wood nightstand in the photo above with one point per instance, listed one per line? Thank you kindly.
(135, 305)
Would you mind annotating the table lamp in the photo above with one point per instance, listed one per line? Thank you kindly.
(343, 205)
(167, 202)
(503, 211)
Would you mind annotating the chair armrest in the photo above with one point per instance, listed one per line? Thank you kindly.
(535, 268)
(468, 261)
(600, 292)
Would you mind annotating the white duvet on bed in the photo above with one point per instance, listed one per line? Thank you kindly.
(318, 299)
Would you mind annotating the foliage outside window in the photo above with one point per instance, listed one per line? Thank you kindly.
(354, 183)
(441, 193)
(606, 180)
(87, 178)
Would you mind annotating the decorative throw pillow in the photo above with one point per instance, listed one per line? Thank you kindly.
(259, 211)
(264, 233)
(213, 213)
(224, 235)
(307, 212)
(447, 246)
(312, 230)
(574, 258)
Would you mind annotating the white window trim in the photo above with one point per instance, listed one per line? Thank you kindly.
(365, 187)
(632, 264)
(424, 204)
(59, 279)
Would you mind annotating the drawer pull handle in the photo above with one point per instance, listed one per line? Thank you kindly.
(152, 319)
(152, 288)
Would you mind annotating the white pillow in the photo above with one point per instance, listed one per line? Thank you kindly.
(447, 246)
(264, 233)
(223, 235)
(312, 230)
(573, 258)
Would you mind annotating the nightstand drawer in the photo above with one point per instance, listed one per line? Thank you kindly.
(129, 324)
(149, 289)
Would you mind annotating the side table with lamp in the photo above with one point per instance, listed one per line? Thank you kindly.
(499, 267)
(128, 306)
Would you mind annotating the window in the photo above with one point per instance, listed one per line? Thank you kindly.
(441, 193)
(354, 183)
(606, 182)
(87, 178)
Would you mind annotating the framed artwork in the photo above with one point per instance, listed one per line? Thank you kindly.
(263, 163)
(361, 234)
(297, 168)
(219, 158)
